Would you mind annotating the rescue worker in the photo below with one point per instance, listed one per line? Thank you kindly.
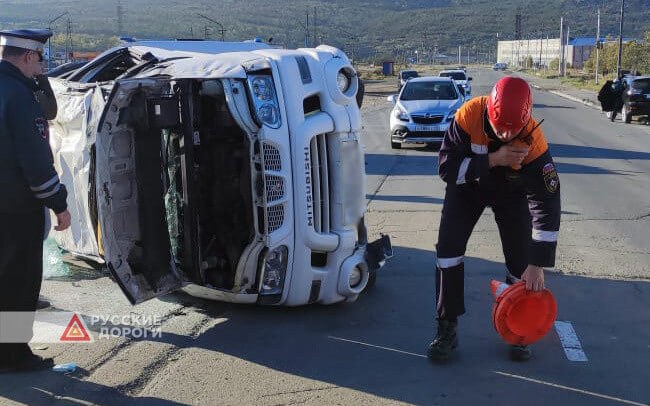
(28, 182)
(494, 154)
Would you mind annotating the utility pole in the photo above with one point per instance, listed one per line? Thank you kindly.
(598, 46)
(120, 18)
(307, 29)
(620, 41)
(315, 25)
(459, 62)
(68, 41)
(566, 62)
(541, 45)
(560, 65)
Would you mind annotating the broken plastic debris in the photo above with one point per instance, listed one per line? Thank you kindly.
(40, 347)
(65, 368)
(53, 265)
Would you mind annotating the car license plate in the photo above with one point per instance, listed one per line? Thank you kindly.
(426, 128)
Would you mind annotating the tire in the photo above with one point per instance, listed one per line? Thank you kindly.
(395, 145)
(626, 116)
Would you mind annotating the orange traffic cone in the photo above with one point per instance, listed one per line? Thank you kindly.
(519, 316)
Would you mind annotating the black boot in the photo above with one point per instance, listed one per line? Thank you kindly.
(445, 342)
(43, 304)
(520, 353)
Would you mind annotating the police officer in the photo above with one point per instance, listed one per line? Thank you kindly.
(28, 183)
(494, 154)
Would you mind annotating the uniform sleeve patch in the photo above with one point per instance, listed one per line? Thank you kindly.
(549, 167)
(42, 128)
(551, 180)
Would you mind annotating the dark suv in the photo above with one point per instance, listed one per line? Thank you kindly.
(636, 97)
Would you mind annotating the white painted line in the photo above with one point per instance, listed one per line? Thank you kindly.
(585, 392)
(570, 341)
(377, 346)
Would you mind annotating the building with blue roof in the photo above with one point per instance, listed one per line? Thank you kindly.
(544, 50)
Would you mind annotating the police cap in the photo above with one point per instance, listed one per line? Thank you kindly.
(26, 39)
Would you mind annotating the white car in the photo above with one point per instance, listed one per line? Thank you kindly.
(232, 170)
(423, 110)
(460, 77)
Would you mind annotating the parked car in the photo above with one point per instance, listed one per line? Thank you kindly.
(500, 66)
(423, 110)
(636, 97)
(403, 76)
(232, 170)
(460, 77)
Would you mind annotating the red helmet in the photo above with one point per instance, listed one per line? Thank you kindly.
(510, 104)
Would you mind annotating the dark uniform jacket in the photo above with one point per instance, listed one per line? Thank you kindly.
(463, 163)
(28, 180)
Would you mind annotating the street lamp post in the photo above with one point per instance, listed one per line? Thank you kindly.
(620, 41)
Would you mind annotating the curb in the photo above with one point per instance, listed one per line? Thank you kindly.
(586, 102)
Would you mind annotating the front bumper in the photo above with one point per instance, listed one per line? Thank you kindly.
(407, 134)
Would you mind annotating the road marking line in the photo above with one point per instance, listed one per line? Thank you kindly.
(377, 346)
(585, 392)
(570, 341)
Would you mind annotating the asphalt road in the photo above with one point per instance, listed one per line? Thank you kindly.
(372, 351)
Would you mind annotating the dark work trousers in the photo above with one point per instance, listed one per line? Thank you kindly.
(21, 271)
(461, 210)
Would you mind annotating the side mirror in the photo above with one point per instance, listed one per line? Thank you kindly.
(470, 78)
(392, 98)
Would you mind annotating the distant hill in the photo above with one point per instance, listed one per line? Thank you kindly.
(364, 27)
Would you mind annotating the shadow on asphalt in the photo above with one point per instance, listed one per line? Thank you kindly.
(578, 151)
(377, 344)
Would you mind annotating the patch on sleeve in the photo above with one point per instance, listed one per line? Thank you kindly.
(551, 180)
(43, 128)
(548, 168)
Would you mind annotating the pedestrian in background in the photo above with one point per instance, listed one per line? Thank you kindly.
(29, 183)
(617, 97)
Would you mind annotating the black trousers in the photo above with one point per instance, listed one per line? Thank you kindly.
(21, 271)
(461, 210)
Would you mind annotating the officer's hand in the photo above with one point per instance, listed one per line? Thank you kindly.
(507, 155)
(63, 220)
(534, 278)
